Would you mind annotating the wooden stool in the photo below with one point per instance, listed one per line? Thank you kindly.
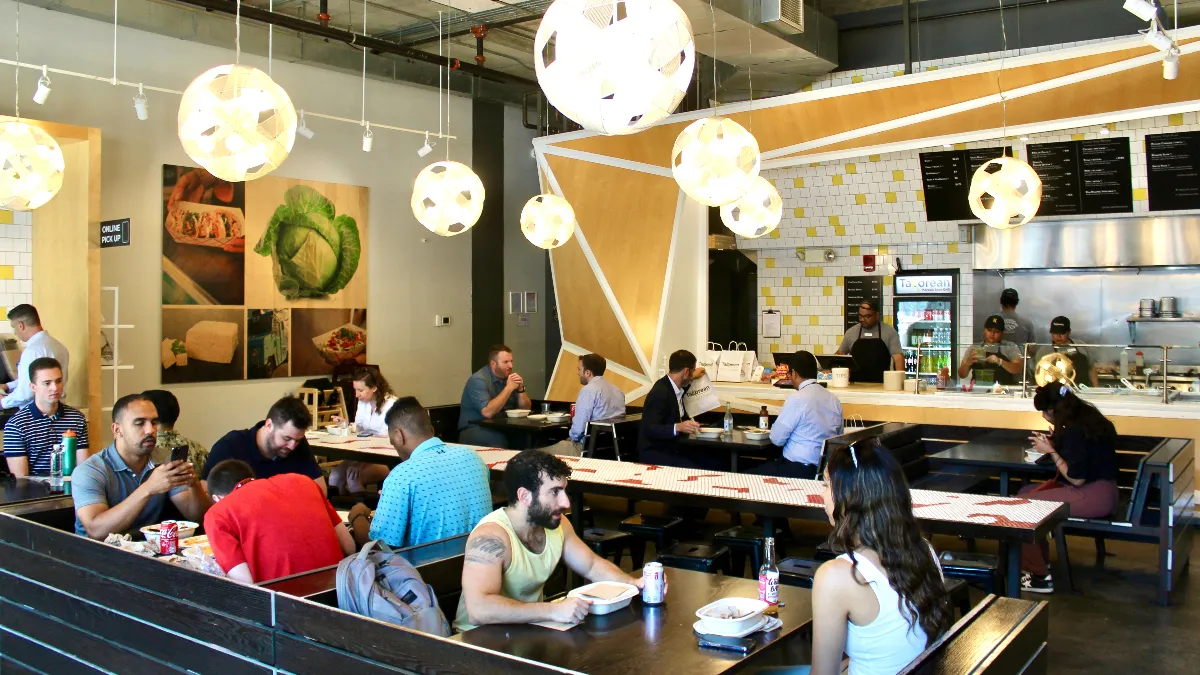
(980, 569)
(960, 595)
(798, 572)
(696, 557)
(745, 541)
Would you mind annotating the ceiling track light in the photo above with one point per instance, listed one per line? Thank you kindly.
(141, 105)
(1024, 138)
(1142, 9)
(368, 139)
(1171, 64)
(1158, 39)
(425, 149)
(303, 129)
(43, 89)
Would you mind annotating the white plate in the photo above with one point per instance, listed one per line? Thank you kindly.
(538, 416)
(517, 413)
(1032, 457)
(699, 628)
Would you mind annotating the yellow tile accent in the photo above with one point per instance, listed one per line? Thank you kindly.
(5, 217)
(770, 263)
(873, 158)
(839, 230)
(910, 228)
(887, 281)
(837, 180)
(798, 182)
(807, 87)
(815, 164)
(920, 195)
(1077, 137)
(798, 212)
(952, 247)
(880, 228)
(787, 319)
(795, 339)
(6, 271)
(960, 146)
(889, 197)
(814, 271)
(897, 174)
(883, 250)
(1112, 126)
(841, 281)
(795, 301)
(835, 220)
(766, 290)
(860, 199)
(812, 231)
(818, 349)
(1140, 194)
(787, 282)
(897, 73)
(851, 168)
(1175, 120)
(775, 233)
(855, 250)
(814, 320)
(887, 320)
(769, 301)
(918, 258)
(827, 291)
(856, 79)
(932, 68)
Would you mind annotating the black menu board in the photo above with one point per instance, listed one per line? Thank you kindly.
(1173, 171)
(1087, 177)
(946, 179)
(859, 290)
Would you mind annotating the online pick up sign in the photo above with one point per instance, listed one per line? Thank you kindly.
(114, 233)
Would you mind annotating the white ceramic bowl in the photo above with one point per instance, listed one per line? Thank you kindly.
(558, 417)
(337, 430)
(599, 607)
(710, 432)
(517, 413)
(186, 529)
(757, 435)
(748, 610)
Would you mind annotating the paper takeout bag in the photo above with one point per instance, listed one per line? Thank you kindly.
(700, 397)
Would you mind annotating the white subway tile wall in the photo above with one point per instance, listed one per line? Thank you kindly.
(874, 205)
(16, 258)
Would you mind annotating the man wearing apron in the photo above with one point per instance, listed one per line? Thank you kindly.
(1060, 335)
(874, 345)
(994, 361)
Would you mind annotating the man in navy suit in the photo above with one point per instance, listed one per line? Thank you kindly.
(664, 418)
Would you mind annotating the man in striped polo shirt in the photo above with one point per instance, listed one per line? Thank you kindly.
(30, 434)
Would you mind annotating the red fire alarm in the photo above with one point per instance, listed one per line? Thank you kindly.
(868, 263)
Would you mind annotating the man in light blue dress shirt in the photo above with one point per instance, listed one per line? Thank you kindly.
(598, 400)
(27, 326)
(810, 415)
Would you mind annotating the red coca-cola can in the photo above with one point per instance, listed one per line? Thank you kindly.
(168, 538)
(572, 410)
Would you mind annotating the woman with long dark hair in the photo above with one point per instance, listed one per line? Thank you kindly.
(1083, 447)
(884, 600)
(375, 398)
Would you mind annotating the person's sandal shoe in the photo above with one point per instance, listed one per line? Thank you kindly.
(1031, 583)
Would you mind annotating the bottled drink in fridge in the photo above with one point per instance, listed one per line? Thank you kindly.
(768, 574)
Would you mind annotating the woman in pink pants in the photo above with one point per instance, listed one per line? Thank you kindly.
(1083, 446)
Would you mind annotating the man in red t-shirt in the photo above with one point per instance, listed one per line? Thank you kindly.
(273, 527)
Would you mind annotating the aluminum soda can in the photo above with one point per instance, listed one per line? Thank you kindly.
(572, 410)
(168, 538)
(654, 586)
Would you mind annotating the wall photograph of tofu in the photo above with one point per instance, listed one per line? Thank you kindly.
(202, 344)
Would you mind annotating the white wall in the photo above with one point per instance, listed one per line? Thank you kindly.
(684, 322)
(412, 274)
(524, 263)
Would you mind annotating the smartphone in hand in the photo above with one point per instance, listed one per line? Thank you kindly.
(179, 453)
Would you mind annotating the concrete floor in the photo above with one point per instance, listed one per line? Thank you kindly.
(1111, 624)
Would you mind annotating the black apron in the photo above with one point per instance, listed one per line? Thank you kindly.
(999, 374)
(871, 355)
(1083, 366)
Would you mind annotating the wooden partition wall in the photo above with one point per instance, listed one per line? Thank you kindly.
(614, 279)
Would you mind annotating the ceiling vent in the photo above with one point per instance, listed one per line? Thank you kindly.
(786, 16)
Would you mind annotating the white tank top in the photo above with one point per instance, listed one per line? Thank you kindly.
(887, 644)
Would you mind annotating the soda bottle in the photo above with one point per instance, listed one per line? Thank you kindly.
(768, 574)
(728, 419)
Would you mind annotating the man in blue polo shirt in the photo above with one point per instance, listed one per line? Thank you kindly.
(437, 490)
(121, 489)
(490, 391)
(272, 447)
(31, 433)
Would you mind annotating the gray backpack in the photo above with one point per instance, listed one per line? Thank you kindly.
(385, 586)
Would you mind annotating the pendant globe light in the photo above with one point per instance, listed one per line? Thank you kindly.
(615, 66)
(235, 121)
(756, 213)
(547, 221)
(31, 163)
(715, 160)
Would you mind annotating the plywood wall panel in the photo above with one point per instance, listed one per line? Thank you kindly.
(583, 310)
(565, 385)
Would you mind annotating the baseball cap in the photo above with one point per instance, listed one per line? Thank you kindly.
(1009, 297)
(1060, 325)
(994, 321)
(871, 305)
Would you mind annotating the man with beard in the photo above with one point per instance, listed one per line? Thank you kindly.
(120, 489)
(513, 550)
(490, 391)
(599, 399)
(274, 446)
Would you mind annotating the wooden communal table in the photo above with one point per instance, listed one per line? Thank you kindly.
(371, 448)
(1002, 451)
(735, 443)
(528, 430)
(1009, 521)
(642, 639)
(13, 490)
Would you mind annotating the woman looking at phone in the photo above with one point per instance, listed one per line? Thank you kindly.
(1083, 447)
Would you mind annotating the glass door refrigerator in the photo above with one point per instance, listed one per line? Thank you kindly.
(925, 303)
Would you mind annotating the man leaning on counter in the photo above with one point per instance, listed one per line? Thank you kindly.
(874, 345)
(993, 361)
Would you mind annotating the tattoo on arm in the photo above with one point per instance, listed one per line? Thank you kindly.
(487, 549)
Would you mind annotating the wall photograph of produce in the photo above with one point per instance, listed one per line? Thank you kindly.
(292, 303)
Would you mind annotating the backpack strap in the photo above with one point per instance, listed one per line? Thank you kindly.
(366, 549)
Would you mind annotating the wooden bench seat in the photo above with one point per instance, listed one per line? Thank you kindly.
(999, 636)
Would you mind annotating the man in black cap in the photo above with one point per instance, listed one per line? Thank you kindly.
(874, 345)
(994, 360)
(1017, 329)
(1060, 335)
